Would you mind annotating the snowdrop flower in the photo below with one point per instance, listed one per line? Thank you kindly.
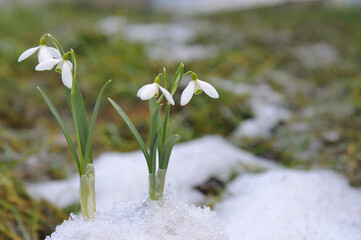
(152, 90)
(45, 52)
(64, 67)
(196, 86)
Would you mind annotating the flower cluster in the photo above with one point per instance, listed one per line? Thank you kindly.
(159, 141)
(49, 57)
(195, 86)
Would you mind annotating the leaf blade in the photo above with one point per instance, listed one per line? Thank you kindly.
(167, 150)
(133, 130)
(88, 149)
(63, 128)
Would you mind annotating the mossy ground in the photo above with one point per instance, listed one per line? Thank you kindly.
(259, 49)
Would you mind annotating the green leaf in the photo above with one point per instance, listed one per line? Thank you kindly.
(88, 149)
(177, 78)
(165, 123)
(134, 131)
(153, 136)
(166, 78)
(167, 150)
(81, 119)
(63, 129)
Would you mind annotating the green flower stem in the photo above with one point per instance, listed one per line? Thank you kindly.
(73, 111)
(152, 186)
(87, 192)
(161, 173)
(56, 43)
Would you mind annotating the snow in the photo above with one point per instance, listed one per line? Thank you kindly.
(277, 204)
(169, 218)
(291, 204)
(121, 176)
(268, 108)
(163, 41)
(317, 55)
(207, 6)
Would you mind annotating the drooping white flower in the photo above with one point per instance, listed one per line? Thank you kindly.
(152, 90)
(196, 87)
(44, 52)
(64, 67)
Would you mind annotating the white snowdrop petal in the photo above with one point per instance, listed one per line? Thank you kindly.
(167, 95)
(208, 89)
(28, 53)
(66, 75)
(54, 52)
(140, 90)
(70, 64)
(44, 54)
(148, 91)
(187, 93)
(47, 64)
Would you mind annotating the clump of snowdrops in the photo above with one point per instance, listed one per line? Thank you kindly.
(160, 144)
(65, 63)
(159, 141)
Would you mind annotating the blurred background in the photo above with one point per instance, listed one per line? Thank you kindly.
(288, 74)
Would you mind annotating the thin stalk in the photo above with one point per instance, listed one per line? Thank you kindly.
(73, 111)
(56, 43)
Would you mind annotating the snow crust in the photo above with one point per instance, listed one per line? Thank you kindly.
(168, 219)
(291, 204)
(121, 176)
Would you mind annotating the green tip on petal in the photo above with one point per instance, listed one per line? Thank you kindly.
(194, 76)
(199, 91)
(42, 41)
(58, 70)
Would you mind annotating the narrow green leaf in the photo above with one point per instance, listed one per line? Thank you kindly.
(88, 149)
(152, 104)
(166, 78)
(167, 150)
(165, 123)
(63, 129)
(81, 118)
(177, 78)
(134, 131)
(153, 136)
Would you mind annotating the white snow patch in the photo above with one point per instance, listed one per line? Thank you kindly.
(169, 218)
(206, 6)
(317, 55)
(181, 52)
(291, 204)
(164, 32)
(267, 105)
(121, 176)
(164, 41)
